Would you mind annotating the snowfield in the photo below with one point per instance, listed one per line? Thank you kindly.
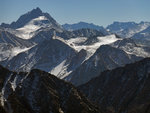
(76, 43)
(9, 54)
(29, 29)
(17, 50)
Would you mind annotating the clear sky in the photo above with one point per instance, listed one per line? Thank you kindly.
(100, 12)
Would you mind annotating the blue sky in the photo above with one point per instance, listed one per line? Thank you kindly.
(100, 12)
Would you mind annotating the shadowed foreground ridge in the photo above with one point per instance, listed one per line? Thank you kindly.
(122, 90)
(40, 92)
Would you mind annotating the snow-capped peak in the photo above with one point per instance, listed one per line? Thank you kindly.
(27, 31)
(127, 29)
(30, 22)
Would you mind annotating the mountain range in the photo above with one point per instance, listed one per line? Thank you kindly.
(36, 47)
(128, 29)
(81, 25)
(124, 89)
(39, 42)
(36, 32)
(122, 29)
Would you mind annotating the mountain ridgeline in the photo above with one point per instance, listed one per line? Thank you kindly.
(24, 19)
(109, 66)
(40, 92)
(124, 89)
(128, 29)
(36, 40)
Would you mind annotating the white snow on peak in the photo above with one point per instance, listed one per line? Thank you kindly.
(135, 50)
(78, 43)
(10, 53)
(137, 30)
(77, 40)
(27, 31)
(4, 95)
(75, 43)
(17, 50)
(58, 68)
(40, 18)
(107, 39)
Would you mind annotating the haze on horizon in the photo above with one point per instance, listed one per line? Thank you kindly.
(100, 12)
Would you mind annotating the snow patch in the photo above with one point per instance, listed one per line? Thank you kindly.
(58, 68)
(27, 31)
(17, 50)
(4, 94)
(138, 51)
(76, 43)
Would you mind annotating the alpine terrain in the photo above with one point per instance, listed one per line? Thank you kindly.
(42, 63)
(122, 90)
(40, 92)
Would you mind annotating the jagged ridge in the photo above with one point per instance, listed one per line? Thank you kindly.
(40, 92)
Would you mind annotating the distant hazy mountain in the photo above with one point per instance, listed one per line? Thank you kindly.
(127, 29)
(124, 89)
(82, 25)
(131, 47)
(143, 35)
